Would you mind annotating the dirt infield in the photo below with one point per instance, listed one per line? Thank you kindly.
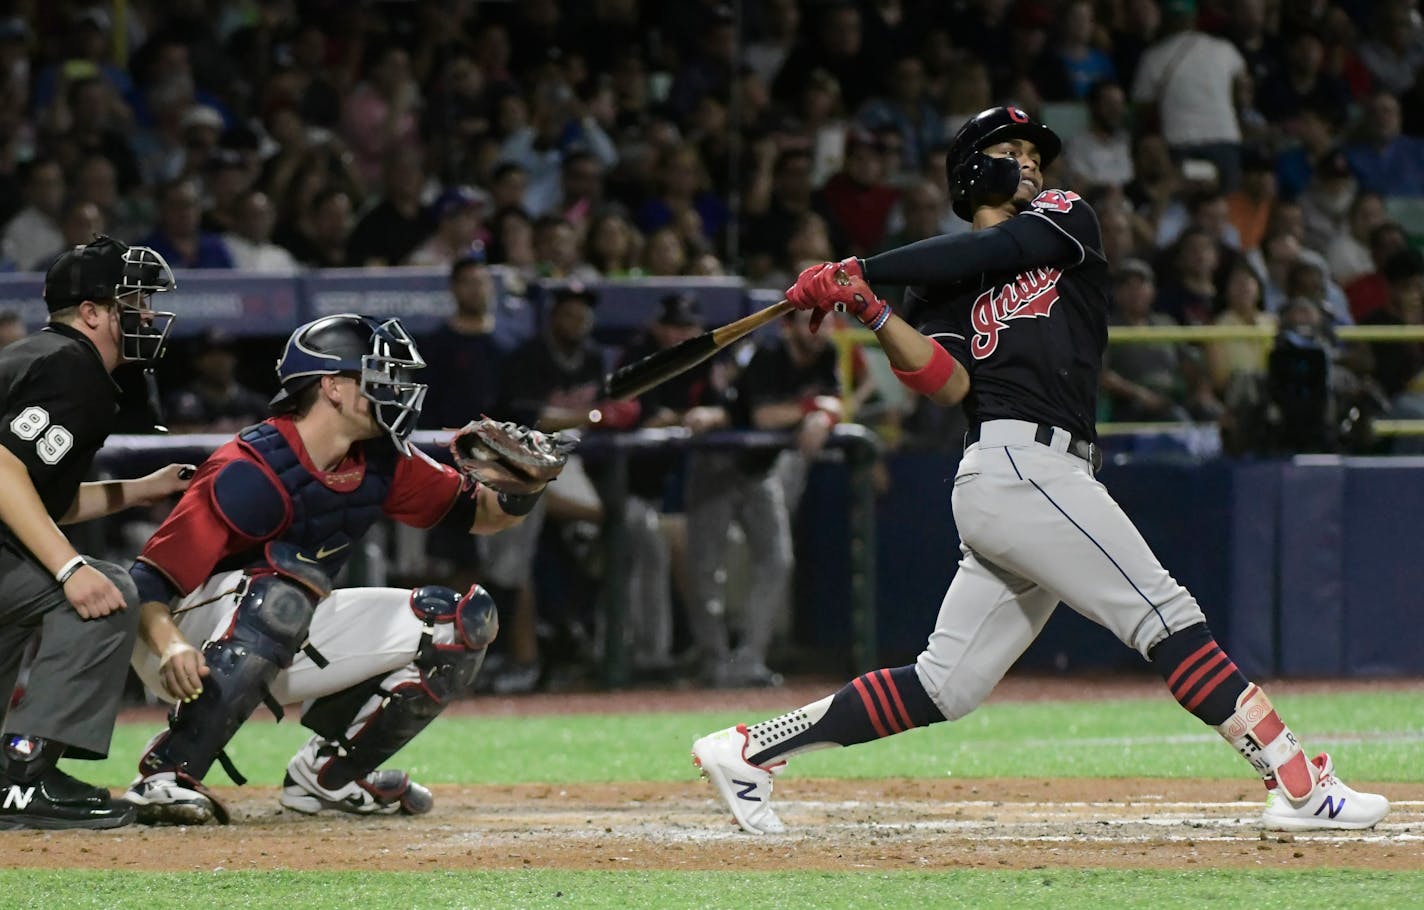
(835, 825)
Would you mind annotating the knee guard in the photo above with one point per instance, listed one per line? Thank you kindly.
(369, 722)
(270, 625)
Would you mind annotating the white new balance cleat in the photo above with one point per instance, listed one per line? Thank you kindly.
(743, 786)
(162, 798)
(378, 793)
(1331, 804)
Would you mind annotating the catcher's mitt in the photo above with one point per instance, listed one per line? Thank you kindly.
(509, 458)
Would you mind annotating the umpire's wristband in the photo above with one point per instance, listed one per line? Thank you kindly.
(67, 570)
(520, 503)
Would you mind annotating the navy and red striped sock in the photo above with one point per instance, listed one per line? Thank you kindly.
(878, 704)
(1202, 678)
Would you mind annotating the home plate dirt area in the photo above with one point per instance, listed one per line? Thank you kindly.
(893, 824)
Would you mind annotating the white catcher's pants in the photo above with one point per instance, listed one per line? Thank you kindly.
(1037, 528)
(362, 632)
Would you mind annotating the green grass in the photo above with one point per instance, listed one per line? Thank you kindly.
(1115, 738)
(1047, 889)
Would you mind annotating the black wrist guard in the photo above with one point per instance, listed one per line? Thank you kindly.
(519, 503)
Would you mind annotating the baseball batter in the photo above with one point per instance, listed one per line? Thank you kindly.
(1015, 325)
(237, 602)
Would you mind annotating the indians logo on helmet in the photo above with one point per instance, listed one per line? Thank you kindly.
(1030, 294)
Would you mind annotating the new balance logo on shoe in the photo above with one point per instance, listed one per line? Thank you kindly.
(1334, 807)
(18, 798)
(746, 791)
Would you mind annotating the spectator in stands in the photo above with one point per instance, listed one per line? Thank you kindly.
(1186, 80)
(821, 122)
(458, 214)
(1077, 60)
(214, 401)
(179, 237)
(778, 195)
(1301, 82)
(557, 253)
(908, 111)
(95, 181)
(922, 207)
(1258, 47)
(1315, 137)
(1327, 199)
(683, 186)
(557, 125)
(774, 29)
(708, 66)
(1119, 226)
(1397, 365)
(1143, 382)
(35, 231)
(463, 358)
(1307, 280)
(250, 240)
(382, 112)
(1101, 155)
(1394, 52)
(12, 328)
(1155, 179)
(321, 234)
(580, 186)
(967, 91)
(613, 245)
(837, 48)
(391, 231)
(1384, 160)
(1370, 291)
(1237, 368)
(508, 184)
(86, 53)
(1348, 252)
(1190, 297)
(1249, 208)
(93, 119)
(81, 223)
(512, 243)
(858, 199)
(200, 129)
(226, 180)
(665, 253)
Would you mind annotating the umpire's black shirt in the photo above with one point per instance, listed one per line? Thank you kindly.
(58, 403)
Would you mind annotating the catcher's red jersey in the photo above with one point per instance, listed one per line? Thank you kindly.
(237, 502)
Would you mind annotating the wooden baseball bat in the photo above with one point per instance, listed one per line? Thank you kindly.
(634, 379)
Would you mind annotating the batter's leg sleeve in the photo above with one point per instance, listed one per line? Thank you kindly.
(712, 483)
(987, 619)
(77, 677)
(766, 522)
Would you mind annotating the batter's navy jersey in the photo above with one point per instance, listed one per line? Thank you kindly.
(58, 404)
(1032, 340)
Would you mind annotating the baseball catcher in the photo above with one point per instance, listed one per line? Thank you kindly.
(1014, 327)
(237, 601)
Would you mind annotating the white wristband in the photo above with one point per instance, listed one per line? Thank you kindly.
(69, 568)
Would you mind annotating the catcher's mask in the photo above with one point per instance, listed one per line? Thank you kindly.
(381, 353)
(105, 269)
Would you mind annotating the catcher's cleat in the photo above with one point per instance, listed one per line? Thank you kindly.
(378, 793)
(1330, 804)
(744, 787)
(170, 798)
(54, 800)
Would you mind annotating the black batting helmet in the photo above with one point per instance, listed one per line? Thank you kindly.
(986, 128)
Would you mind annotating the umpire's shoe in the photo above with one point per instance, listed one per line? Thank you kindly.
(55, 800)
(378, 793)
(1331, 804)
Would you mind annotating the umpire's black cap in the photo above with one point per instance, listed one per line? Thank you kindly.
(101, 270)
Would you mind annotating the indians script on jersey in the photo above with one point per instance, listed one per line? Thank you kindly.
(1030, 294)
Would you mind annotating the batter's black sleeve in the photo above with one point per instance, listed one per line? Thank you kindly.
(948, 332)
(1030, 240)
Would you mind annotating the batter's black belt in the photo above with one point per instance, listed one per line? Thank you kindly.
(1043, 435)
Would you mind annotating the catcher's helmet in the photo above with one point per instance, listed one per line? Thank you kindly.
(105, 269)
(381, 353)
(986, 128)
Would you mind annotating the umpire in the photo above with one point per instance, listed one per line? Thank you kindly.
(58, 403)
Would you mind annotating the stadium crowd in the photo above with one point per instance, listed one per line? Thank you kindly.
(1253, 162)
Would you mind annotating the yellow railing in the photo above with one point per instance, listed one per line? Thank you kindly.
(846, 341)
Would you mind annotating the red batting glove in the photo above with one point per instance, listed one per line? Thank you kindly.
(802, 294)
(854, 296)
